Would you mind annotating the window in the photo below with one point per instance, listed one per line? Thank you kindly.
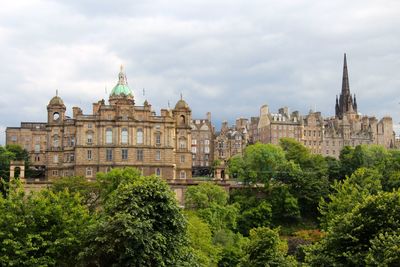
(89, 154)
(139, 155)
(89, 172)
(139, 136)
(55, 172)
(109, 154)
(194, 141)
(72, 157)
(158, 139)
(194, 149)
(182, 158)
(206, 142)
(14, 138)
(55, 141)
(182, 143)
(109, 136)
(89, 138)
(158, 155)
(207, 149)
(124, 136)
(89, 125)
(37, 148)
(158, 172)
(55, 158)
(182, 174)
(124, 153)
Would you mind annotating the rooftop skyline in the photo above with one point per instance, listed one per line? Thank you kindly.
(225, 58)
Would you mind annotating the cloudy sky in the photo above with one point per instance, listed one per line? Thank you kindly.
(226, 57)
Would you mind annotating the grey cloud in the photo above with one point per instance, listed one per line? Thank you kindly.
(225, 57)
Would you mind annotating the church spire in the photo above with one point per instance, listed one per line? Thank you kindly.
(345, 79)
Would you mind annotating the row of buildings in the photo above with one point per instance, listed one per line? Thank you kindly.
(175, 146)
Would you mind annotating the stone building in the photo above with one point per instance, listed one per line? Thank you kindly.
(326, 136)
(230, 141)
(202, 146)
(117, 134)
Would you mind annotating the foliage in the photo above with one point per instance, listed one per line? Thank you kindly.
(258, 164)
(285, 207)
(41, 229)
(141, 225)
(205, 194)
(232, 245)
(384, 250)
(210, 202)
(362, 234)
(347, 194)
(88, 190)
(265, 248)
(200, 239)
(255, 217)
(109, 182)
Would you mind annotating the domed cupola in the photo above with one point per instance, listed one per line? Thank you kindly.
(121, 90)
(56, 109)
(56, 100)
(181, 104)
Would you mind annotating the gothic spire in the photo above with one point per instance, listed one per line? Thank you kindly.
(345, 79)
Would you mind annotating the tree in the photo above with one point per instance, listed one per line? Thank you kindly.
(88, 190)
(255, 217)
(285, 207)
(41, 229)
(210, 202)
(200, 239)
(141, 225)
(203, 195)
(258, 164)
(368, 233)
(266, 249)
(347, 194)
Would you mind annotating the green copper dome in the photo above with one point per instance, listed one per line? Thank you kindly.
(121, 89)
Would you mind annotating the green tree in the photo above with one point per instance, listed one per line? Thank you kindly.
(265, 248)
(285, 207)
(255, 217)
(347, 194)
(203, 195)
(362, 234)
(41, 229)
(141, 225)
(258, 164)
(200, 239)
(210, 202)
(88, 190)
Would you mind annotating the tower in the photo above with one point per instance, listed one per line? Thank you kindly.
(183, 154)
(56, 110)
(121, 91)
(345, 104)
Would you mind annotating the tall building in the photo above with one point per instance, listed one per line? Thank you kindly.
(326, 136)
(116, 134)
(202, 146)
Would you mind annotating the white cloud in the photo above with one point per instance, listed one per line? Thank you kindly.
(225, 57)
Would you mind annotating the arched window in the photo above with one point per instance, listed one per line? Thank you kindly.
(182, 119)
(139, 136)
(158, 138)
(109, 136)
(124, 136)
(55, 141)
(182, 143)
(182, 175)
(158, 172)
